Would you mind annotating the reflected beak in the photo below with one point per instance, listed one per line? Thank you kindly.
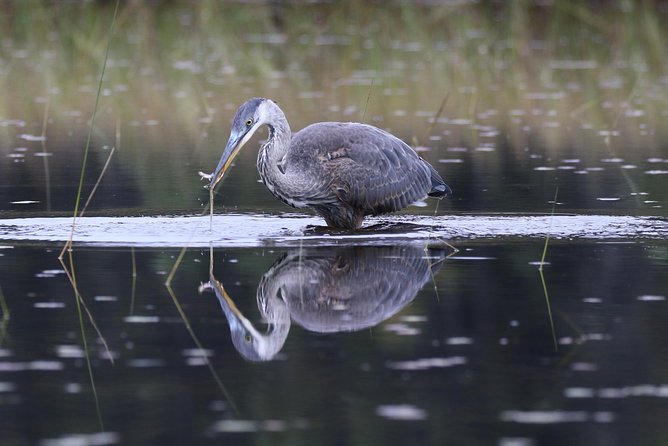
(234, 145)
(233, 314)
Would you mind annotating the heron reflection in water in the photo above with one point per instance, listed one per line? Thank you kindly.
(329, 290)
(345, 171)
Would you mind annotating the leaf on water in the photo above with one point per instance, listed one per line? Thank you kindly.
(27, 137)
(406, 412)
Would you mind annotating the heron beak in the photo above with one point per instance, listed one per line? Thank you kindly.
(234, 145)
(231, 151)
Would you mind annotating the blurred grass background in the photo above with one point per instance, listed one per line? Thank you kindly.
(573, 79)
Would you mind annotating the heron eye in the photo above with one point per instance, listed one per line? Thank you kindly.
(247, 338)
(249, 122)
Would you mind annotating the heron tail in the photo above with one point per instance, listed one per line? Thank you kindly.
(438, 187)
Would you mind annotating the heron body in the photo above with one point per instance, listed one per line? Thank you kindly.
(345, 171)
(329, 290)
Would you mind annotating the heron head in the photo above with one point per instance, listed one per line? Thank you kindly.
(247, 340)
(249, 117)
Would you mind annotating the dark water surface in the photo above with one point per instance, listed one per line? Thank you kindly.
(434, 325)
(366, 345)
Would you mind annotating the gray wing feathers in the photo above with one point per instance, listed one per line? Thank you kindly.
(380, 172)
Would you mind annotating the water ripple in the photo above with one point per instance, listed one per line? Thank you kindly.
(247, 230)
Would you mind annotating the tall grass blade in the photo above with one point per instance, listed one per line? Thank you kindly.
(168, 285)
(368, 98)
(82, 175)
(549, 309)
(45, 154)
(79, 301)
(104, 168)
(176, 265)
(4, 322)
(133, 291)
(438, 114)
(97, 183)
(195, 339)
(542, 276)
(67, 247)
(432, 264)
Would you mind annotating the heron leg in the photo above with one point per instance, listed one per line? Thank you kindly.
(341, 216)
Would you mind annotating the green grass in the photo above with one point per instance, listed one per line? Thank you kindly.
(4, 321)
(67, 248)
(542, 275)
(485, 57)
(551, 76)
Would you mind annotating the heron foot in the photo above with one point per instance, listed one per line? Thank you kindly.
(328, 230)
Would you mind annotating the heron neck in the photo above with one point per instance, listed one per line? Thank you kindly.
(271, 159)
(279, 139)
(273, 152)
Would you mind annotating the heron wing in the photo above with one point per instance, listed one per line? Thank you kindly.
(370, 169)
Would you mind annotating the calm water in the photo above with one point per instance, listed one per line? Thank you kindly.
(435, 326)
(373, 344)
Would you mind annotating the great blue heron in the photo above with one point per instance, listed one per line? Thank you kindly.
(345, 171)
(329, 290)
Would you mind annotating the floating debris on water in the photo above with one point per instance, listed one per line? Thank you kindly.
(516, 441)
(241, 426)
(402, 329)
(584, 367)
(196, 352)
(73, 388)
(106, 298)
(141, 319)
(555, 417)
(471, 258)
(427, 363)
(406, 412)
(28, 137)
(45, 366)
(651, 298)
(69, 351)
(567, 340)
(49, 305)
(459, 341)
(413, 318)
(96, 439)
(642, 390)
(145, 363)
(50, 273)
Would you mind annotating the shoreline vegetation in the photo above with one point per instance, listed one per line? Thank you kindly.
(569, 80)
(600, 65)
